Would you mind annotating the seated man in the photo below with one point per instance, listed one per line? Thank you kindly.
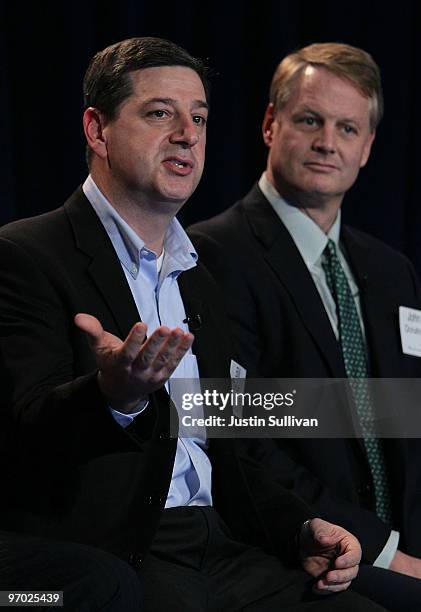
(310, 298)
(88, 389)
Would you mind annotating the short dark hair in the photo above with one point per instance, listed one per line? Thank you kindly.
(107, 82)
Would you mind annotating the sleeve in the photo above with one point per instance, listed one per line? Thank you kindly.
(48, 376)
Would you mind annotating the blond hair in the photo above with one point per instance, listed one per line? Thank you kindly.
(344, 61)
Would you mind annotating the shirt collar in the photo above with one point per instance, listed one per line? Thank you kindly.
(180, 255)
(309, 238)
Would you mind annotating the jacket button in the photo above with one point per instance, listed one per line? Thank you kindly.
(164, 436)
(135, 560)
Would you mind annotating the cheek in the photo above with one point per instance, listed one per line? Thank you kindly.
(291, 148)
(200, 155)
(355, 162)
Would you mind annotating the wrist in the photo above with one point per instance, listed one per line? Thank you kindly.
(120, 404)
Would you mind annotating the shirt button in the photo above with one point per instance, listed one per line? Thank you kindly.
(133, 269)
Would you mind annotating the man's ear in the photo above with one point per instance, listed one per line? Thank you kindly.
(367, 148)
(93, 128)
(267, 125)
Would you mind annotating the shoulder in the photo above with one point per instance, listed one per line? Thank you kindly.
(232, 222)
(39, 227)
(47, 229)
(377, 252)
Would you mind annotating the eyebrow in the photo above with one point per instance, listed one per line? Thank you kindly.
(308, 109)
(173, 102)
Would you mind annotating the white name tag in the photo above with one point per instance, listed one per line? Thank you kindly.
(410, 328)
(236, 370)
(238, 381)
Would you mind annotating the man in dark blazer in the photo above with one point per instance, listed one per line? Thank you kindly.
(86, 408)
(268, 254)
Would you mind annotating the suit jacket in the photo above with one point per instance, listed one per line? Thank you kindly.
(281, 329)
(72, 472)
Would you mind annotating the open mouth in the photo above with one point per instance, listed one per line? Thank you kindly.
(179, 166)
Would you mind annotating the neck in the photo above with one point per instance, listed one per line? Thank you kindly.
(324, 219)
(148, 219)
(321, 208)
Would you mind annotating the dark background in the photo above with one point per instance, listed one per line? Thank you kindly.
(45, 48)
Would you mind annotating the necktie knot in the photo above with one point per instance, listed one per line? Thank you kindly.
(330, 250)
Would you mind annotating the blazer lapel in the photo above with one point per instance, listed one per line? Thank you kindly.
(284, 258)
(209, 344)
(380, 317)
(104, 266)
(381, 322)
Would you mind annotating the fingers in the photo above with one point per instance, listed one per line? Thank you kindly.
(173, 350)
(323, 532)
(136, 367)
(333, 556)
(335, 581)
(130, 348)
(164, 350)
(349, 556)
(332, 541)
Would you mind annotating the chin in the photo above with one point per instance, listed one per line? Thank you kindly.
(323, 187)
(178, 190)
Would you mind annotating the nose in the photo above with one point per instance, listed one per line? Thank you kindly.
(325, 140)
(186, 132)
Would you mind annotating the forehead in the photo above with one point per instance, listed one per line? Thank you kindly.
(326, 93)
(167, 82)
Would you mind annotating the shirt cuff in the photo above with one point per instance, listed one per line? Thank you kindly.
(125, 419)
(385, 558)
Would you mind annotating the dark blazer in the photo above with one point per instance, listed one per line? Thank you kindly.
(281, 329)
(72, 471)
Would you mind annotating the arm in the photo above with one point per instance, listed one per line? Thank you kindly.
(50, 372)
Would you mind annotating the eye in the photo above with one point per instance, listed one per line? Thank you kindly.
(199, 120)
(308, 121)
(349, 129)
(158, 113)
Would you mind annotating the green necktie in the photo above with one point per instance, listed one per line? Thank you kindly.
(355, 361)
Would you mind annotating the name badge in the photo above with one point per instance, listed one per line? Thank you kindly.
(410, 328)
(238, 381)
(236, 370)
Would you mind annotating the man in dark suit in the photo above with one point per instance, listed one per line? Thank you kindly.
(310, 298)
(87, 389)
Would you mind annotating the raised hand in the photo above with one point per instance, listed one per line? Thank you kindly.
(131, 369)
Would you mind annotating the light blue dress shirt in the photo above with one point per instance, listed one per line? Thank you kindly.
(311, 241)
(157, 296)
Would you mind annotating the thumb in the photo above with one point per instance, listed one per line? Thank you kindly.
(91, 326)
